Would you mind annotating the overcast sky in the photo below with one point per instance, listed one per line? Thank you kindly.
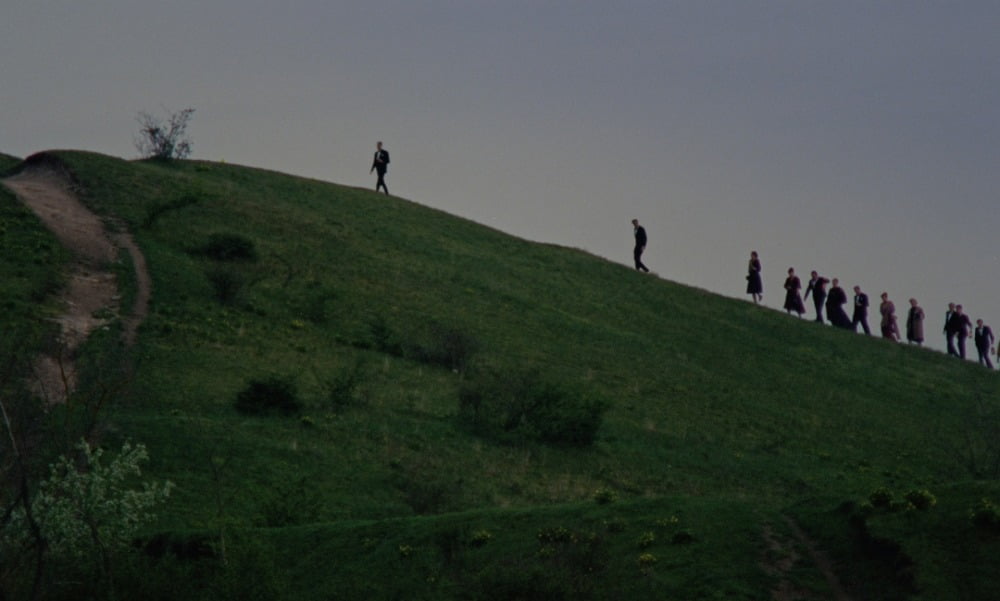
(858, 138)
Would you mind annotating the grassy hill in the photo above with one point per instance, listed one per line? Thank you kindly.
(731, 439)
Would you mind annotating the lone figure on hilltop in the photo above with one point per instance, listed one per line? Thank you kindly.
(755, 285)
(640, 245)
(380, 163)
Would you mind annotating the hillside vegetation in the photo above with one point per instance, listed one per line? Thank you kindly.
(674, 443)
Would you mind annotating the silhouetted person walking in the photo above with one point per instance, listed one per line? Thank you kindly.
(915, 323)
(860, 311)
(949, 333)
(984, 340)
(755, 285)
(835, 301)
(640, 245)
(793, 301)
(380, 164)
(817, 287)
(960, 326)
(889, 327)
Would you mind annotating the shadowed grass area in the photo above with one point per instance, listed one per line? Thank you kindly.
(380, 310)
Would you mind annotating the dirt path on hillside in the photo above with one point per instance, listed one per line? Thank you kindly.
(782, 554)
(92, 297)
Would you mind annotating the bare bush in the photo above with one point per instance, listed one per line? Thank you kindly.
(159, 140)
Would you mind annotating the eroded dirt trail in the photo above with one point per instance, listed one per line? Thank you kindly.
(92, 296)
(784, 552)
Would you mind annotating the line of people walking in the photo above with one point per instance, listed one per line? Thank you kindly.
(958, 327)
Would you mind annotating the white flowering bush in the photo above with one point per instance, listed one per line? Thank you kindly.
(87, 507)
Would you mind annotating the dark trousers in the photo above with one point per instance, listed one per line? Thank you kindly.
(381, 181)
(961, 344)
(950, 337)
(984, 356)
(862, 318)
(818, 303)
(637, 255)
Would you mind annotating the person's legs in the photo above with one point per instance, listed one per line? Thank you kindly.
(637, 254)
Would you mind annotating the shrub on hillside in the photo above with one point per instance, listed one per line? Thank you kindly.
(342, 389)
(445, 346)
(525, 406)
(274, 394)
(227, 284)
(986, 516)
(229, 247)
(439, 345)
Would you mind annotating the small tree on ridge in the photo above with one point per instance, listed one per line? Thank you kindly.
(158, 140)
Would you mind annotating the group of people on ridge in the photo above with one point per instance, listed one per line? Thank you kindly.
(957, 328)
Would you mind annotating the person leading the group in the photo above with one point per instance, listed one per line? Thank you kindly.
(755, 285)
(380, 164)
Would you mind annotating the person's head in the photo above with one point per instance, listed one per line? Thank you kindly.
(378, 145)
(857, 290)
(791, 271)
(836, 282)
(753, 254)
(951, 306)
(814, 274)
(958, 309)
(635, 222)
(885, 296)
(913, 302)
(979, 322)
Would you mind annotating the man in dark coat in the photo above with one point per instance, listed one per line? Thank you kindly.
(960, 326)
(949, 333)
(835, 306)
(860, 311)
(817, 286)
(640, 245)
(984, 340)
(380, 163)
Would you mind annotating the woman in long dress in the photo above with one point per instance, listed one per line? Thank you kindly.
(793, 300)
(915, 323)
(755, 286)
(888, 310)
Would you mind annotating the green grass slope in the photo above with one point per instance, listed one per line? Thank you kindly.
(724, 420)
(7, 162)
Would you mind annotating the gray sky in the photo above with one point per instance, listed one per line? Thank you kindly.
(858, 138)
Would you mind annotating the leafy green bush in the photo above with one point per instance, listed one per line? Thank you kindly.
(986, 516)
(523, 406)
(448, 347)
(881, 498)
(274, 394)
(342, 388)
(921, 500)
